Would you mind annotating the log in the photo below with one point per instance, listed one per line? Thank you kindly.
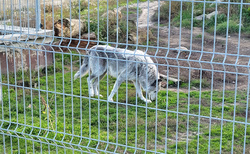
(69, 27)
(164, 77)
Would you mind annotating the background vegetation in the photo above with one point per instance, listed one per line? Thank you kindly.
(198, 9)
(94, 19)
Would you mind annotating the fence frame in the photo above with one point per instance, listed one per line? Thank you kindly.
(49, 88)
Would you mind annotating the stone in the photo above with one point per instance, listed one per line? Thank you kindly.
(210, 15)
(181, 49)
(199, 18)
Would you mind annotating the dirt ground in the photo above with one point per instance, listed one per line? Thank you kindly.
(218, 57)
(215, 59)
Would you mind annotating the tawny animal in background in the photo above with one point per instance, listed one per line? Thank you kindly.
(70, 27)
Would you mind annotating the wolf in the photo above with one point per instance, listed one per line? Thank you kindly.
(123, 64)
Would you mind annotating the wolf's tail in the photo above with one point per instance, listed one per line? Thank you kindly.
(84, 68)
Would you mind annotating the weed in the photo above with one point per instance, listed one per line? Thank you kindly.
(233, 27)
(164, 11)
(196, 83)
(246, 15)
(221, 18)
(198, 36)
(204, 83)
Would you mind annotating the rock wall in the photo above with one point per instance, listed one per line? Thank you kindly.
(16, 57)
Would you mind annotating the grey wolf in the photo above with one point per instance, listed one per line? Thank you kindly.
(122, 64)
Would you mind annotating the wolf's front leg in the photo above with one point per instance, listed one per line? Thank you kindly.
(118, 82)
(139, 92)
(96, 83)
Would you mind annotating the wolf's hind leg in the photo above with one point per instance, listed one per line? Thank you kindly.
(98, 68)
(96, 83)
(90, 84)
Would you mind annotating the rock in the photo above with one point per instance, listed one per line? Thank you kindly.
(208, 16)
(181, 49)
(194, 88)
(199, 18)
(90, 36)
(164, 84)
(198, 12)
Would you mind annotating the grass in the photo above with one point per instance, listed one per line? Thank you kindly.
(58, 116)
(221, 27)
(196, 83)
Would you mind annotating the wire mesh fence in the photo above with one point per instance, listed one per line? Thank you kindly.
(18, 15)
(124, 76)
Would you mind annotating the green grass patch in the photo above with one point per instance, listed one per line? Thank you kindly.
(60, 110)
(221, 27)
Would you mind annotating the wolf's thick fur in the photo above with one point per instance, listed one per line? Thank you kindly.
(139, 69)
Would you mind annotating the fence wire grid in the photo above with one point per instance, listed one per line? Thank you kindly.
(124, 76)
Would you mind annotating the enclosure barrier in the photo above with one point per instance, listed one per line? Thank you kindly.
(124, 76)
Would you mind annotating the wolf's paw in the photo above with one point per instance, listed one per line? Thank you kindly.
(146, 100)
(91, 94)
(99, 95)
(110, 99)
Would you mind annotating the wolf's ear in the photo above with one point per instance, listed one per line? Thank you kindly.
(154, 83)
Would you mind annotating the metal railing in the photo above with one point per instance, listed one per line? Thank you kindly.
(18, 15)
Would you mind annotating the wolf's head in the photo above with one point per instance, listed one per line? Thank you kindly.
(154, 88)
(150, 79)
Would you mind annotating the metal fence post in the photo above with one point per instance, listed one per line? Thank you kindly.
(38, 15)
(1, 96)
